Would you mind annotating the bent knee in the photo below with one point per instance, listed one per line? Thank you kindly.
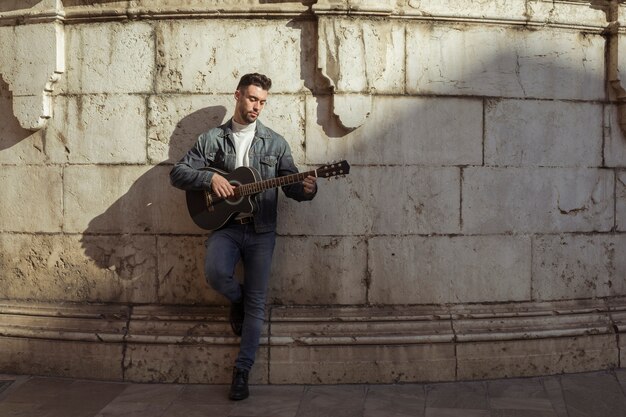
(216, 278)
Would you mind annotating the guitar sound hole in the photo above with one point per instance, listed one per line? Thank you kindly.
(233, 201)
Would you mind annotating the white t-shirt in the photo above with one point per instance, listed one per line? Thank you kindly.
(242, 136)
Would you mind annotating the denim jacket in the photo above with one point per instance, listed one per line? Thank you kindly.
(269, 154)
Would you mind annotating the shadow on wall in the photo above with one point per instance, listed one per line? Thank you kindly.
(70, 3)
(133, 216)
(117, 239)
(13, 5)
(11, 133)
(417, 128)
(314, 81)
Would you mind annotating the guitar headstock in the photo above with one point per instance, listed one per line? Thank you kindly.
(333, 170)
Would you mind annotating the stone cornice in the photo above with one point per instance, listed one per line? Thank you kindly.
(589, 19)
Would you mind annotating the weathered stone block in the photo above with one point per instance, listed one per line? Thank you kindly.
(305, 271)
(499, 200)
(186, 345)
(78, 268)
(360, 345)
(176, 121)
(530, 320)
(565, 13)
(32, 199)
(109, 58)
(245, 8)
(32, 60)
(360, 56)
(378, 200)
(203, 363)
(532, 11)
(98, 129)
(399, 130)
(37, 337)
(437, 270)
(324, 270)
(124, 199)
(87, 6)
(353, 364)
(544, 133)
(330, 213)
(19, 146)
(578, 266)
(620, 206)
(188, 364)
(618, 316)
(17, 5)
(29, 57)
(518, 358)
(181, 272)
(504, 62)
(527, 339)
(501, 9)
(60, 358)
(202, 56)
(614, 138)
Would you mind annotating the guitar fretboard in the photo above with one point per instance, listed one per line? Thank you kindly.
(257, 187)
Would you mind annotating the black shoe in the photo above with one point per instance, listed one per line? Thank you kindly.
(236, 316)
(239, 386)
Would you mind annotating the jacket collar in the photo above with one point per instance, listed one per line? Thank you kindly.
(261, 130)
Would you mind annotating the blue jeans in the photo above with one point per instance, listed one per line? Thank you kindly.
(224, 248)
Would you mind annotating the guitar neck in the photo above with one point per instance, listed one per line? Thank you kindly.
(257, 187)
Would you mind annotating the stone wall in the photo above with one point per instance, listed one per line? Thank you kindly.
(480, 232)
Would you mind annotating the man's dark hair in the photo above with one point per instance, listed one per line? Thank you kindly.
(257, 79)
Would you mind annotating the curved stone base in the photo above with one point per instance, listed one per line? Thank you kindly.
(308, 345)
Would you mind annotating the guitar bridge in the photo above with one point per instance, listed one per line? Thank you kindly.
(209, 201)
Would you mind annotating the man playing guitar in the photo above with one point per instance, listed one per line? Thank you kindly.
(250, 237)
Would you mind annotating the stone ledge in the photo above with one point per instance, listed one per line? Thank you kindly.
(584, 17)
(66, 322)
(193, 344)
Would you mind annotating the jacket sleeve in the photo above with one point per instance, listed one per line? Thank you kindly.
(286, 166)
(187, 173)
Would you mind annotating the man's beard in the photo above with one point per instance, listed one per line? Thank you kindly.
(247, 117)
(250, 117)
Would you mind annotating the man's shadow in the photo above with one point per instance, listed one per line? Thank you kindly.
(137, 239)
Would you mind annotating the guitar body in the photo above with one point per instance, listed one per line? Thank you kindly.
(212, 213)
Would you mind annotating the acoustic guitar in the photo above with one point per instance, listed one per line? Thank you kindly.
(211, 212)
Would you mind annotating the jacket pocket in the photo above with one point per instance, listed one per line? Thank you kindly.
(218, 160)
(268, 166)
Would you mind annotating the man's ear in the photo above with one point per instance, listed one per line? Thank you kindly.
(237, 95)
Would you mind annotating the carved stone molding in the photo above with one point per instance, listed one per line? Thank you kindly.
(359, 57)
(33, 61)
(312, 345)
(369, 7)
(615, 53)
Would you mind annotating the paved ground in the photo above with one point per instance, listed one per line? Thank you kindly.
(596, 394)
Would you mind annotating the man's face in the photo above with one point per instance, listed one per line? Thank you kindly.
(250, 101)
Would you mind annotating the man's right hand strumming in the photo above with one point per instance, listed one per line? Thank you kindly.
(221, 186)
